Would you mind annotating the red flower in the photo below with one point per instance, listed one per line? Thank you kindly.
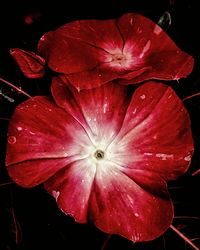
(92, 52)
(103, 154)
(133, 48)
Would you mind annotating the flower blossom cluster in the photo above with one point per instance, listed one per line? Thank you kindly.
(104, 152)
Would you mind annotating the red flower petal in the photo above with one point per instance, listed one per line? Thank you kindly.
(133, 48)
(72, 187)
(31, 65)
(156, 135)
(120, 204)
(94, 109)
(34, 172)
(35, 134)
(153, 47)
(75, 47)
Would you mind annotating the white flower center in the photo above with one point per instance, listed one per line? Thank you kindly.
(118, 58)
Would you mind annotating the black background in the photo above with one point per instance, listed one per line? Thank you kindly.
(29, 218)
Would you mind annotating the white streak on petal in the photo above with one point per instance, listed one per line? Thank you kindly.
(134, 111)
(130, 199)
(145, 49)
(105, 108)
(187, 158)
(148, 154)
(165, 157)
(31, 133)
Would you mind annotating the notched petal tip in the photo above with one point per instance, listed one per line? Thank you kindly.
(31, 64)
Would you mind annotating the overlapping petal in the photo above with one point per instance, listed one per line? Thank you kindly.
(100, 111)
(146, 139)
(132, 48)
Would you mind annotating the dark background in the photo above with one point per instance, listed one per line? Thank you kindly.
(29, 218)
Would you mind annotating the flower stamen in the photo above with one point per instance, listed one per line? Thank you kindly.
(118, 58)
(99, 154)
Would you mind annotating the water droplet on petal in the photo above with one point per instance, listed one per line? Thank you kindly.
(187, 158)
(142, 97)
(55, 194)
(12, 139)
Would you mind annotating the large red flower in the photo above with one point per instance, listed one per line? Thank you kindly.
(103, 154)
(132, 48)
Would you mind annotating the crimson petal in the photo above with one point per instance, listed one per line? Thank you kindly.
(120, 205)
(34, 172)
(152, 47)
(72, 187)
(95, 109)
(35, 134)
(156, 134)
(76, 46)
